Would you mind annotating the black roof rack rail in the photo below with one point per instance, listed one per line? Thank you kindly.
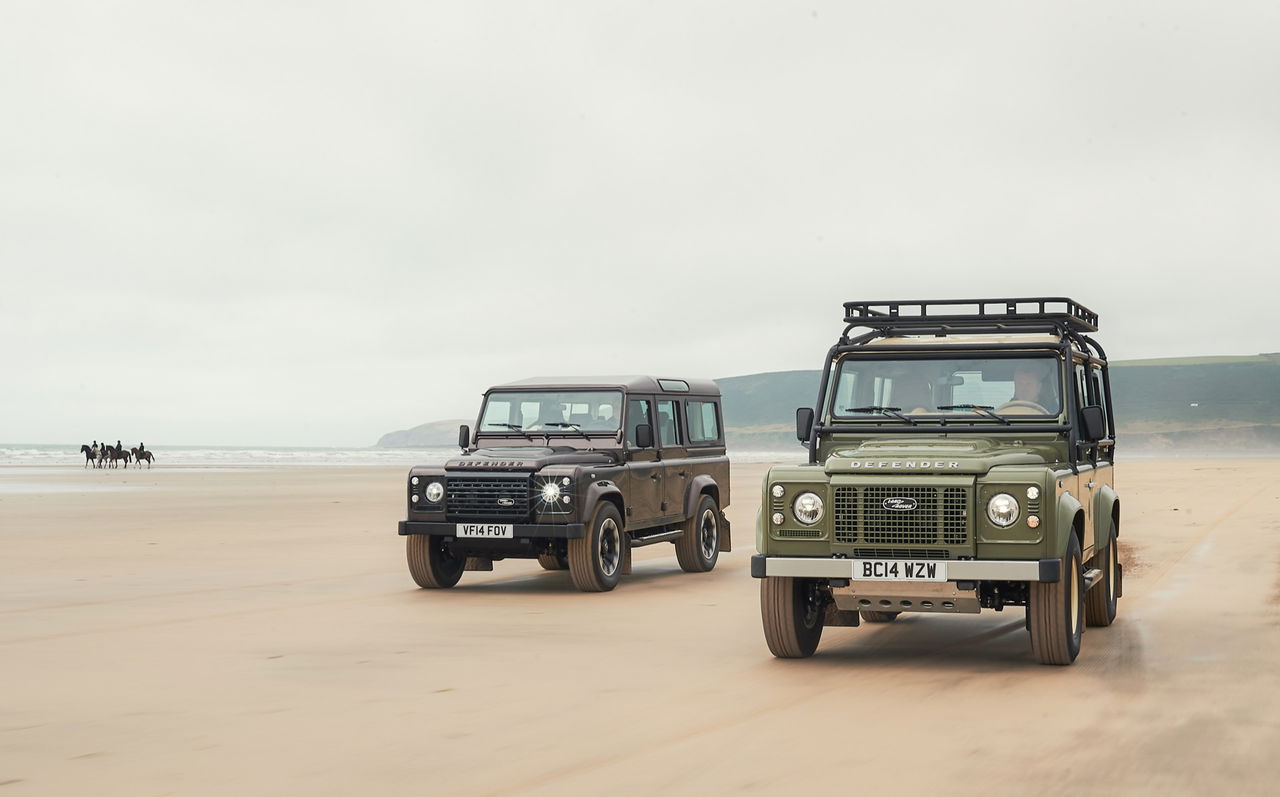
(1005, 314)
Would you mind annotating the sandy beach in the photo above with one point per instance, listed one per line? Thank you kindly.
(242, 631)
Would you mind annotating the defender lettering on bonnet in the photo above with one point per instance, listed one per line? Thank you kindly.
(905, 465)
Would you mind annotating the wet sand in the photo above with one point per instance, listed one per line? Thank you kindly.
(208, 632)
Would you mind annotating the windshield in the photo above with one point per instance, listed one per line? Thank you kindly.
(992, 388)
(552, 411)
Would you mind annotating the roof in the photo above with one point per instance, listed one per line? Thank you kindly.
(630, 383)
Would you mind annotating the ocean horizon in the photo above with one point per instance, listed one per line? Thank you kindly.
(52, 454)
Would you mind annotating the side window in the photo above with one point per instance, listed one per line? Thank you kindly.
(1082, 386)
(704, 422)
(637, 413)
(668, 423)
(1095, 382)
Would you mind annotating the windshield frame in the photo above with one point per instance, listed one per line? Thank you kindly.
(568, 393)
(902, 418)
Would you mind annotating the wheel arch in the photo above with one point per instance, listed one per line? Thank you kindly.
(603, 491)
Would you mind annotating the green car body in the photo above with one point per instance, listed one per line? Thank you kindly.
(920, 498)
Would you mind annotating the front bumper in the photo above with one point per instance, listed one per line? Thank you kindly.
(1042, 570)
(555, 531)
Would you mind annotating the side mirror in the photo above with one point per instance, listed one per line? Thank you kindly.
(1093, 423)
(464, 436)
(644, 436)
(804, 424)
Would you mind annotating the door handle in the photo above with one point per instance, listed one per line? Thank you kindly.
(1089, 485)
(653, 476)
(682, 474)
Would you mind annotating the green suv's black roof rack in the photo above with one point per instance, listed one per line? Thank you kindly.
(1000, 314)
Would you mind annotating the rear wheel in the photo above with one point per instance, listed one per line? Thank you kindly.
(791, 610)
(878, 617)
(553, 561)
(430, 562)
(1057, 612)
(699, 548)
(1100, 603)
(595, 561)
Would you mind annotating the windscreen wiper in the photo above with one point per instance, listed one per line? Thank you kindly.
(575, 427)
(895, 412)
(517, 427)
(985, 410)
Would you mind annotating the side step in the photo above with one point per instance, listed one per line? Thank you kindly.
(1092, 577)
(664, 536)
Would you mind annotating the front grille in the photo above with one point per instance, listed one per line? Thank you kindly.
(901, 553)
(940, 516)
(477, 498)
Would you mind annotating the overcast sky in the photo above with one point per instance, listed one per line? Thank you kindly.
(309, 223)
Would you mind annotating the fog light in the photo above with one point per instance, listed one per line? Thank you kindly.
(1032, 521)
(778, 518)
(565, 500)
(415, 499)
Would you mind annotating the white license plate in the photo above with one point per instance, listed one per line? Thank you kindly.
(898, 570)
(486, 530)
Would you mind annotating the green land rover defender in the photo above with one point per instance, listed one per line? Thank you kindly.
(960, 459)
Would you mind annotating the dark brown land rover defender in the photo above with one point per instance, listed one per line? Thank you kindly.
(576, 472)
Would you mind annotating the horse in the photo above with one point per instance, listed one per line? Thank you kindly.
(115, 454)
(141, 454)
(88, 456)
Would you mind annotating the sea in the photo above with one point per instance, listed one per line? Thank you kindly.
(47, 455)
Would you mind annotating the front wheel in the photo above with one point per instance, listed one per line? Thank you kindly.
(431, 564)
(791, 610)
(699, 548)
(1057, 612)
(595, 560)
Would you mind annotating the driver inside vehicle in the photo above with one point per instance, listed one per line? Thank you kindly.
(1028, 391)
(549, 412)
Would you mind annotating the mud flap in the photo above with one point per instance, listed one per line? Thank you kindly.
(837, 617)
(626, 554)
(726, 540)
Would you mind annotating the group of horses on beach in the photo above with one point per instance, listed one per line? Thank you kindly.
(108, 456)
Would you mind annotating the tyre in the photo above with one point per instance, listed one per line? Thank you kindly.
(553, 561)
(878, 617)
(431, 564)
(1057, 612)
(791, 610)
(699, 548)
(595, 561)
(1100, 602)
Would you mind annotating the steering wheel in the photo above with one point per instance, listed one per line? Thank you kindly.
(1022, 404)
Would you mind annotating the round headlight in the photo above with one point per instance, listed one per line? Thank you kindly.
(434, 492)
(550, 492)
(807, 508)
(1003, 509)
(777, 491)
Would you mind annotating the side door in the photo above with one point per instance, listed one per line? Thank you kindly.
(674, 455)
(644, 488)
(1104, 470)
(1087, 480)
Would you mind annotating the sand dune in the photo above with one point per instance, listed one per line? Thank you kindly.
(207, 632)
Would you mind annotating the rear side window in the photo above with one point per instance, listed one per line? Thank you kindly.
(668, 423)
(704, 422)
